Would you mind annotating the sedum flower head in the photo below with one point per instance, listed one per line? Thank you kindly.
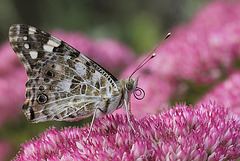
(226, 93)
(12, 77)
(206, 132)
(204, 49)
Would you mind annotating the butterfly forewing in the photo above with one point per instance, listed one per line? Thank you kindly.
(63, 83)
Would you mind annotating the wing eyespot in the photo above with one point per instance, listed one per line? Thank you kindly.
(41, 88)
(42, 98)
(46, 80)
(49, 74)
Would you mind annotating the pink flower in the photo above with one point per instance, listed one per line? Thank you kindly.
(203, 50)
(226, 93)
(12, 84)
(12, 93)
(206, 132)
(5, 150)
(9, 60)
(76, 39)
(108, 53)
(112, 54)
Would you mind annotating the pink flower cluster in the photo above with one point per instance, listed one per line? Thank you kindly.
(12, 84)
(205, 132)
(226, 93)
(108, 53)
(205, 49)
(201, 52)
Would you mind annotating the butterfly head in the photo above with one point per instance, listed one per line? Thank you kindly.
(131, 86)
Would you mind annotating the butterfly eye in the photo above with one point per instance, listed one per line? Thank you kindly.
(42, 98)
(129, 86)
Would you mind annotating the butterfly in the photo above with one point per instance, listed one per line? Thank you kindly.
(64, 84)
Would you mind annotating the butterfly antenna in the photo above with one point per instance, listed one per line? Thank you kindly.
(151, 55)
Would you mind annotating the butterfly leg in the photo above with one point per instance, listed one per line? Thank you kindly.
(128, 117)
(129, 109)
(94, 116)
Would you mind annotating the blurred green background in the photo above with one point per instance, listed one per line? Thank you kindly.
(138, 23)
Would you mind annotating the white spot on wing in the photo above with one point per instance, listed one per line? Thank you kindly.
(25, 38)
(18, 29)
(48, 48)
(26, 46)
(53, 43)
(33, 54)
(31, 30)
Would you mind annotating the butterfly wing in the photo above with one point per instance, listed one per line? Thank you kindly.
(63, 83)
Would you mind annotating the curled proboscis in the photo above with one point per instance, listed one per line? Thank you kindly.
(139, 93)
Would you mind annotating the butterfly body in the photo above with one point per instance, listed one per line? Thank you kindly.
(64, 84)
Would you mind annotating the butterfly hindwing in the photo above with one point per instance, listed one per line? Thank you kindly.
(63, 83)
